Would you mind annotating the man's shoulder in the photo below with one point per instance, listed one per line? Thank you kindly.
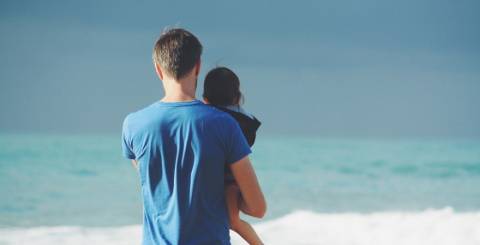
(138, 116)
(203, 112)
(206, 114)
(215, 114)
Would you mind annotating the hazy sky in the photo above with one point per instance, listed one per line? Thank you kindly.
(328, 68)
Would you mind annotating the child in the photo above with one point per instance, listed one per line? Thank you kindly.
(222, 90)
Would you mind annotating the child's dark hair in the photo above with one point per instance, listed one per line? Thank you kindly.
(222, 87)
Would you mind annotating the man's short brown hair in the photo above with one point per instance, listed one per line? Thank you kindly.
(177, 51)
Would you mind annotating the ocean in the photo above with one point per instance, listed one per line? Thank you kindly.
(77, 189)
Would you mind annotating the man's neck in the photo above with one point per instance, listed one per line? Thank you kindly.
(179, 91)
(177, 98)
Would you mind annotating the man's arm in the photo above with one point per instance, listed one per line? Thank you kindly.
(253, 200)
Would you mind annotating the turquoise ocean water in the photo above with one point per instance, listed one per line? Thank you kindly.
(77, 180)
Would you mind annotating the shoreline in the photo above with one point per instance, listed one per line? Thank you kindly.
(429, 227)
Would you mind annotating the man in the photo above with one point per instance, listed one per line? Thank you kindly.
(180, 147)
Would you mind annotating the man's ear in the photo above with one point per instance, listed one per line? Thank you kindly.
(158, 69)
(197, 67)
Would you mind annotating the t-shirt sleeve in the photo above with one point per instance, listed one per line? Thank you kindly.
(127, 146)
(237, 146)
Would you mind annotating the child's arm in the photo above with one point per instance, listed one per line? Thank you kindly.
(244, 229)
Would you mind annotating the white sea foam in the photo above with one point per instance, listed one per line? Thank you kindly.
(435, 227)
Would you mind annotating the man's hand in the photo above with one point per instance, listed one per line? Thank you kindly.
(135, 164)
(253, 200)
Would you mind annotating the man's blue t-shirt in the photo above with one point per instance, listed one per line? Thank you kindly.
(182, 149)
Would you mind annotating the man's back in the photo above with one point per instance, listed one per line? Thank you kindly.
(181, 149)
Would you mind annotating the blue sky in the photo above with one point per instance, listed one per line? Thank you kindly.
(369, 68)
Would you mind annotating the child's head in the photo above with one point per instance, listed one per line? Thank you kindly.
(222, 87)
